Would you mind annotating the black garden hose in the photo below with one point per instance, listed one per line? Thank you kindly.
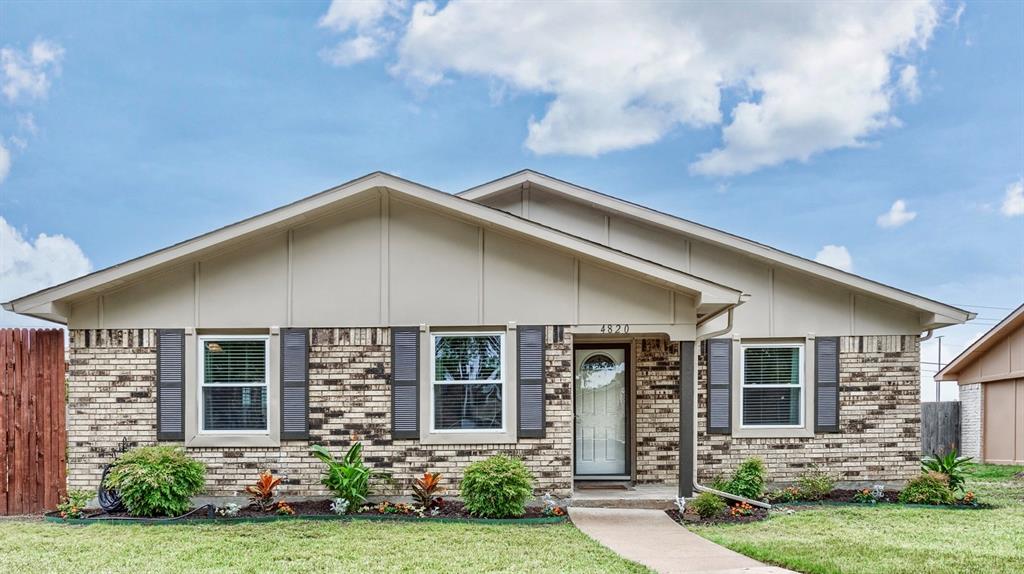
(110, 500)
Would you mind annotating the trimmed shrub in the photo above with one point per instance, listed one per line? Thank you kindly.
(497, 487)
(156, 480)
(815, 484)
(928, 488)
(707, 505)
(748, 480)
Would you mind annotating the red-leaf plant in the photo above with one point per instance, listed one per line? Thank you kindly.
(263, 491)
(424, 489)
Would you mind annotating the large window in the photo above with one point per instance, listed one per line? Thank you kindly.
(467, 381)
(773, 385)
(233, 383)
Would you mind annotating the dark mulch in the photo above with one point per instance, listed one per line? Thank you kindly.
(840, 495)
(448, 509)
(726, 517)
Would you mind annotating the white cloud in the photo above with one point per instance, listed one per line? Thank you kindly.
(959, 13)
(27, 123)
(1013, 201)
(28, 265)
(835, 256)
(908, 83)
(897, 216)
(29, 73)
(5, 162)
(369, 19)
(813, 76)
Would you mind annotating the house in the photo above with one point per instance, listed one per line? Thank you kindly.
(592, 337)
(990, 374)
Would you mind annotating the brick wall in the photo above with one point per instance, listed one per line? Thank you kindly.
(657, 411)
(971, 408)
(112, 399)
(880, 421)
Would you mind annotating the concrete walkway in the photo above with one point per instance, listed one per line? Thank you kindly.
(653, 539)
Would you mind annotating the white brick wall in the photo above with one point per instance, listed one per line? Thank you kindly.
(971, 407)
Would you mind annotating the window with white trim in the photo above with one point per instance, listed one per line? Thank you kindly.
(467, 381)
(772, 389)
(233, 383)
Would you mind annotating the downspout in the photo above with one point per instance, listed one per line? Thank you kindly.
(926, 336)
(696, 485)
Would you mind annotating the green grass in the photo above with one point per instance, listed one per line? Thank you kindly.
(890, 539)
(35, 546)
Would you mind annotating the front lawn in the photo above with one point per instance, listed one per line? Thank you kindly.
(34, 546)
(889, 539)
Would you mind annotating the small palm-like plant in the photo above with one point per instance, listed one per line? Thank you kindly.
(424, 489)
(951, 465)
(263, 491)
(348, 478)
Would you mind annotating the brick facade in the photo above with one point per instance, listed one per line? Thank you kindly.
(971, 409)
(656, 411)
(112, 398)
(879, 418)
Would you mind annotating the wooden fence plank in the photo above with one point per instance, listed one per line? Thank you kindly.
(32, 427)
(940, 427)
(6, 361)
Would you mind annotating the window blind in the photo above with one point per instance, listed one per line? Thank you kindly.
(772, 386)
(234, 384)
(468, 382)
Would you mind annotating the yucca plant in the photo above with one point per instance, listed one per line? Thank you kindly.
(424, 489)
(263, 491)
(951, 465)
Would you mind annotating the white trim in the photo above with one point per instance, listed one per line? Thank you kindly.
(709, 292)
(201, 386)
(934, 313)
(503, 381)
(802, 378)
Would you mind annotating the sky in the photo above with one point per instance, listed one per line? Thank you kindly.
(885, 139)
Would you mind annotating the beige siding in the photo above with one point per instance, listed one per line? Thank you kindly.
(1005, 359)
(384, 261)
(783, 303)
(1003, 433)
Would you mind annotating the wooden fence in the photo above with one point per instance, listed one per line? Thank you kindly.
(32, 432)
(940, 427)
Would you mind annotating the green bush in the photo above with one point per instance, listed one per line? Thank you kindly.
(707, 505)
(497, 487)
(348, 478)
(748, 480)
(928, 488)
(951, 465)
(156, 480)
(815, 484)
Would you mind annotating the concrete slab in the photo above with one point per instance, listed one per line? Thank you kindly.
(650, 496)
(653, 539)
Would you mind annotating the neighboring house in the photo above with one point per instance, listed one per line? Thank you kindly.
(592, 337)
(991, 377)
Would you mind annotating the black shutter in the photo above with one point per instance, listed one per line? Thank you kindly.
(719, 386)
(530, 384)
(170, 384)
(294, 384)
(405, 380)
(826, 384)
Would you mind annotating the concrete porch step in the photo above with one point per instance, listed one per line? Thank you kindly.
(651, 497)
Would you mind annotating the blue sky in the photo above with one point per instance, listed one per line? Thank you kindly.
(128, 127)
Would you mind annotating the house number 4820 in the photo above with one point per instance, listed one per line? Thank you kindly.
(619, 328)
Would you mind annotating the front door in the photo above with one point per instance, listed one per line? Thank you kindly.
(601, 407)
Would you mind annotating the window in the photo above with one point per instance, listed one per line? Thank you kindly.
(773, 386)
(233, 385)
(467, 381)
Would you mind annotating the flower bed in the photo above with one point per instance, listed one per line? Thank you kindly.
(754, 514)
(450, 511)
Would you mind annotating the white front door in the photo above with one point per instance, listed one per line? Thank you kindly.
(601, 412)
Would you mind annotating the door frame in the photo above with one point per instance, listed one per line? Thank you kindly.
(627, 354)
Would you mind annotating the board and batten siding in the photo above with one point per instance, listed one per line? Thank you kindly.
(383, 261)
(783, 302)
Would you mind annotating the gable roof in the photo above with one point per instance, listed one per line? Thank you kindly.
(935, 313)
(1011, 323)
(51, 303)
